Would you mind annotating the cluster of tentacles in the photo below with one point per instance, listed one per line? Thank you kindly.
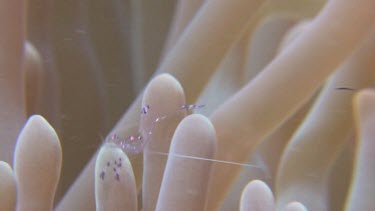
(283, 115)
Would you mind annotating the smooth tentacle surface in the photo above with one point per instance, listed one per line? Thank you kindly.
(115, 187)
(268, 98)
(7, 188)
(12, 38)
(162, 103)
(257, 196)
(324, 132)
(362, 188)
(186, 179)
(37, 165)
(294, 70)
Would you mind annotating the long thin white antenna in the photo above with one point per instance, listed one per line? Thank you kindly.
(203, 159)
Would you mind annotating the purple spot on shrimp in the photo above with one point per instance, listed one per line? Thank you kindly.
(191, 106)
(145, 109)
(117, 177)
(102, 174)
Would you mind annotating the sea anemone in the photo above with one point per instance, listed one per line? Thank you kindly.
(243, 104)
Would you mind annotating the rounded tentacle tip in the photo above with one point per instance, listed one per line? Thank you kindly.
(37, 164)
(164, 82)
(115, 187)
(7, 187)
(257, 196)
(196, 128)
(5, 166)
(295, 206)
(38, 135)
(38, 122)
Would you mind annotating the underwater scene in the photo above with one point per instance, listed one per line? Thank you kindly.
(187, 105)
